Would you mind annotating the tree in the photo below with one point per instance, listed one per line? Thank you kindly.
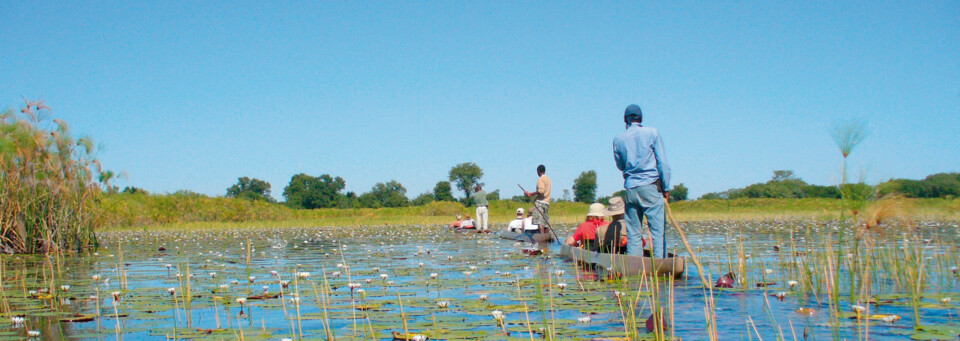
(679, 193)
(422, 199)
(493, 196)
(783, 175)
(250, 189)
(305, 191)
(466, 175)
(390, 194)
(441, 192)
(585, 187)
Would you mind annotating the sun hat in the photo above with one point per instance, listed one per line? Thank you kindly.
(458, 217)
(596, 210)
(633, 110)
(616, 207)
(520, 211)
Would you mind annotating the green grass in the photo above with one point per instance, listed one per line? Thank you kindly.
(173, 211)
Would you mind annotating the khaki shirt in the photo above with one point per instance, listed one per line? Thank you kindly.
(543, 188)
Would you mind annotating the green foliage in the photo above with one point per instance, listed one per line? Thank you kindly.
(784, 184)
(442, 192)
(679, 193)
(134, 190)
(422, 199)
(47, 191)
(493, 196)
(390, 194)
(940, 185)
(585, 187)
(305, 191)
(465, 176)
(250, 189)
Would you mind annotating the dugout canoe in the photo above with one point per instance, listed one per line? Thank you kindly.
(624, 264)
(537, 237)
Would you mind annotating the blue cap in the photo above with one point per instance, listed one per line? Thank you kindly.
(633, 110)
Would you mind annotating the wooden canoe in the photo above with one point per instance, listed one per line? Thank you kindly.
(537, 237)
(628, 265)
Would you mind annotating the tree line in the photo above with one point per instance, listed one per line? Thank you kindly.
(327, 191)
(785, 184)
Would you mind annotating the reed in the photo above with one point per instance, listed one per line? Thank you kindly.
(47, 186)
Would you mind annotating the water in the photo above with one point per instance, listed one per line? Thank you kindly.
(468, 267)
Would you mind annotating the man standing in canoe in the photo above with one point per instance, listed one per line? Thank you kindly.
(541, 202)
(480, 200)
(639, 154)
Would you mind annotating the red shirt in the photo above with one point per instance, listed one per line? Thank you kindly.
(588, 230)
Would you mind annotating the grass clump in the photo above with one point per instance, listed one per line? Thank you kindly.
(47, 187)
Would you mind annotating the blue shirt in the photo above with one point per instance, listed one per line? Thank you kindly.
(640, 156)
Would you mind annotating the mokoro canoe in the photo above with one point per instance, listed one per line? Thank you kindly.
(628, 265)
(537, 237)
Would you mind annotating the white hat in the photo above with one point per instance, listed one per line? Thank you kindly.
(520, 211)
(596, 210)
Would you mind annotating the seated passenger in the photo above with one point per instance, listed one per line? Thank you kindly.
(468, 223)
(586, 234)
(613, 237)
(516, 225)
(456, 224)
(529, 228)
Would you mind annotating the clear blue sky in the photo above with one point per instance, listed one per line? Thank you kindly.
(192, 95)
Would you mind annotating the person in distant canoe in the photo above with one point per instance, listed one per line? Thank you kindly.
(516, 225)
(529, 228)
(541, 202)
(612, 238)
(586, 234)
(468, 223)
(639, 154)
(480, 200)
(456, 223)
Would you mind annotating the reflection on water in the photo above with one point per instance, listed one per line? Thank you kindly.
(370, 281)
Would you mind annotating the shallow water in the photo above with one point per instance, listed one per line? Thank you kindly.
(215, 268)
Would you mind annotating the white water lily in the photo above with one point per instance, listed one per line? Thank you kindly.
(65, 287)
(116, 295)
(781, 295)
(433, 275)
(335, 274)
(33, 333)
(305, 275)
(95, 277)
(420, 264)
(498, 315)
(584, 319)
(483, 298)
(172, 291)
(945, 300)
(617, 293)
(473, 267)
(443, 304)
(213, 275)
(384, 277)
(241, 300)
(468, 273)
(376, 269)
(792, 284)
(890, 318)
(857, 308)
(562, 286)
(274, 273)
(559, 273)
(18, 321)
(252, 278)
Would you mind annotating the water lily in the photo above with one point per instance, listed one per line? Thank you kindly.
(285, 284)
(559, 273)
(498, 315)
(116, 295)
(781, 295)
(241, 300)
(335, 274)
(65, 287)
(443, 304)
(561, 286)
(383, 277)
(890, 318)
(95, 277)
(420, 264)
(376, 269)
(252, 278)
(274, 273)
(792, 284)
(483, 298)
(584, 319)
(33, 333)
(305, 275)
(468, 273)
(945, 300)
(473, 267)
(433, 275)
(18, 321)
(213, 275)
(617, 293)
(172, 291)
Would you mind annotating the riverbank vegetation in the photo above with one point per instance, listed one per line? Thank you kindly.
(49, 183)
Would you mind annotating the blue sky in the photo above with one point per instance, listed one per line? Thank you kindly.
(193, 95)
